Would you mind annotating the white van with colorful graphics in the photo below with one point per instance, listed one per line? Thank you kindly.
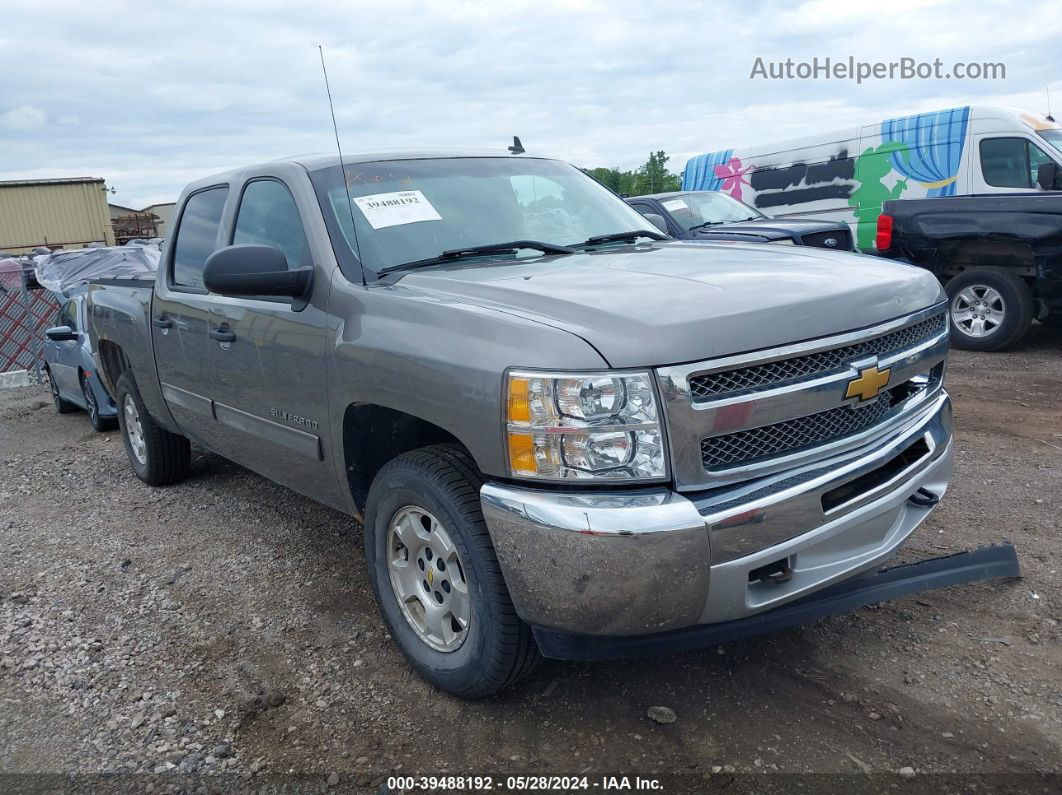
(845, 176)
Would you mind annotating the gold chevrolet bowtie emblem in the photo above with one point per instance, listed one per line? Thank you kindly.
(870, 382)
(431, 577)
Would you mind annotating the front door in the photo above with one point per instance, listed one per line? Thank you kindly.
(180, 311)
(266, 358)
(63, 356)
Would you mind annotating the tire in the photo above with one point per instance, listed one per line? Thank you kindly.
(61, 406)
(991, 309)
(496, 648)
(92, 407)
(157, 456)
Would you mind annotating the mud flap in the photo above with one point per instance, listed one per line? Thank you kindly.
(985, 563)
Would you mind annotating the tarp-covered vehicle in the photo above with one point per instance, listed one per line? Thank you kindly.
(68, 348)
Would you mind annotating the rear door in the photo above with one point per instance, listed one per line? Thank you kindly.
(266, 358)
(180, 311)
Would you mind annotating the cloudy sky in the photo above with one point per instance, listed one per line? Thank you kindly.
(151, 95)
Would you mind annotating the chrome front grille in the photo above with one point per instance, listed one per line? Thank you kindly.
(785, 371)
(743, 417)
(791, 436)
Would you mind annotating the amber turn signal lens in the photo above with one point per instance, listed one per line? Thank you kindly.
(522, 454)
(519, 401)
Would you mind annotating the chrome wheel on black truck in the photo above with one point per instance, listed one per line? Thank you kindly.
(436, 578)
(990, 309)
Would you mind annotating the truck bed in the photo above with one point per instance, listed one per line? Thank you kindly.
(119, 320)
(948, 235)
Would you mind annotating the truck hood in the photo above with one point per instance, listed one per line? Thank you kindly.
(768, 228)
(673, 302)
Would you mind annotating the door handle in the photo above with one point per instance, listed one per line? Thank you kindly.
(222, 334)
(161, 322)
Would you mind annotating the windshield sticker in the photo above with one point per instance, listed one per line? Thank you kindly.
(394, 209)
(674, 204)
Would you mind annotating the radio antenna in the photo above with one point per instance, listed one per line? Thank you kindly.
(342, 166)
(1049, 116)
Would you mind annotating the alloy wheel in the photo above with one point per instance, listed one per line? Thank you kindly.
(978, 310)
(428, 579)
(134, 429)
(90, 399)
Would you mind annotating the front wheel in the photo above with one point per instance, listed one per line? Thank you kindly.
(62, 406)
(991, 309)
(436, 578)
(157, 456)
(92, 407)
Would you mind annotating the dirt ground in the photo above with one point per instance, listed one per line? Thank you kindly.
(226, 625)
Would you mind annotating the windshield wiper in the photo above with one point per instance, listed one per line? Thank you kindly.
(708, 223)
(618, 236)
(478, 251)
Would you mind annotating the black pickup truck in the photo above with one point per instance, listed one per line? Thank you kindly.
(999, 257)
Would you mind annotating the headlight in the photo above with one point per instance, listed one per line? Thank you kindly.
(600, 426)
(785, 241)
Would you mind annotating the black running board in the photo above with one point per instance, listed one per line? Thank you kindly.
(985, 563)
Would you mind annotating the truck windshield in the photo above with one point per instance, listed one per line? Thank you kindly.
(412, 210)
(706, 208)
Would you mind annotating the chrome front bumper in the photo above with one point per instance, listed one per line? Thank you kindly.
(648, 561)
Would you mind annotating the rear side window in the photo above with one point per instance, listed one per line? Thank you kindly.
(197, 235)
(268, 217)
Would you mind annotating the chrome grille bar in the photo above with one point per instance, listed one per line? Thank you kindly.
(806, 414)
(773, 374)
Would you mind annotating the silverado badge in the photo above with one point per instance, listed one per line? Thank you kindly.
(869, 383)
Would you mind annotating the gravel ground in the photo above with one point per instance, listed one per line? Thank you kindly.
(226, 625)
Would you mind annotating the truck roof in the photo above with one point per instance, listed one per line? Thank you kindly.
(668, 195)
(317, 161)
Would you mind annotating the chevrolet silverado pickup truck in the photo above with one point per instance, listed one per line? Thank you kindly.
(564, 434)
(998, 255)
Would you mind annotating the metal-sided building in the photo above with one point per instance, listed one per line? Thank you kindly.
(164, 212)
(58, 213)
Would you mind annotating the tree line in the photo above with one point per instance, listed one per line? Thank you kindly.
(651, 177)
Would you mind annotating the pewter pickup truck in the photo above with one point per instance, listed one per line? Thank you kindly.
(565, 435)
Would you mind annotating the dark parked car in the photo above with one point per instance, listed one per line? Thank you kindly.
(71, 369)
(999, 257)
(713, 216)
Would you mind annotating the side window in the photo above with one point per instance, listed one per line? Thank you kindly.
(197, 234)
(268, 217)
(1011, 162)
(68, 315)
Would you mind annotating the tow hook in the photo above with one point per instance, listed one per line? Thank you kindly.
(924, 498)
(777, 572)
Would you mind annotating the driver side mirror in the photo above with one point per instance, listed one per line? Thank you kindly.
(1048, 177)
(251, 271)
(657, 221)
(60, 334)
